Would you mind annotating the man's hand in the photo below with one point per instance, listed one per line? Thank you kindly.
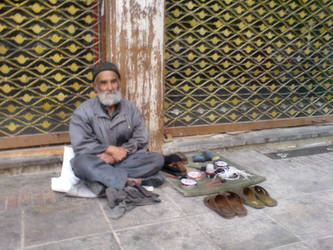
(118, 153)
(107, 158)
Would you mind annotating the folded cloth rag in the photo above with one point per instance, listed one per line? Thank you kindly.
(122, 200)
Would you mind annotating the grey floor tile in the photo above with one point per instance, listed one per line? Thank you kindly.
(315, 174)
(303, 187)
(294, 246)
(325, 196)
(3, 203)
(141, 215)
(254, 231)
(276, 184)
(188, 205)
(104, 241)
(10, 230)
(288, 177)
(179, 234)
(26, 183)
(322, 243)
(36, 183)
(9, 186)
(304, 215)
(291, 180)
(62, 221)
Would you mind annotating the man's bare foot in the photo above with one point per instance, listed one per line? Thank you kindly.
(133, 181)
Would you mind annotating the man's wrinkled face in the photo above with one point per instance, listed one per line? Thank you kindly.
(107, 88)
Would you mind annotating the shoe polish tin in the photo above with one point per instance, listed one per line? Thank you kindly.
(195, 175)
(188, 183)
(220, 164)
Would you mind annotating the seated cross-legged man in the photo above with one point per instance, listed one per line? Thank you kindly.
(109, 137)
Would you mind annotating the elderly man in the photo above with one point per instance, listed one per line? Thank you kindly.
(109, 137)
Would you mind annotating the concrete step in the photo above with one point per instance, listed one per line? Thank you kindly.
(31, 160)
(229, 140)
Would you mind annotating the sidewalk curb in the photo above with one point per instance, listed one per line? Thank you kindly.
(209, 142)
(28, 164)
(31, 164)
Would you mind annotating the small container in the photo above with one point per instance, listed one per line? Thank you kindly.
(210, 168)
(195, 175)
(188, 183)
(220, 163)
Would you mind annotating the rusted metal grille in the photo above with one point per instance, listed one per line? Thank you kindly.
(46, 51)
(237, 61)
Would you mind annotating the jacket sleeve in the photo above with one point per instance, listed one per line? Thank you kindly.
(139, 139)
(83, 137)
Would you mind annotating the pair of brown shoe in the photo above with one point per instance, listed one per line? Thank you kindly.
(257, 197)
(228, 204)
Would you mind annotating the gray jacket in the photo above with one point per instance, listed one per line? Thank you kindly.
(92, 129)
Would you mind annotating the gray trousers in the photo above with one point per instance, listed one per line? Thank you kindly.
(89, 167)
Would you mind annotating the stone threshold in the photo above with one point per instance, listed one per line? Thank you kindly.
(32, 160)
(245, 138)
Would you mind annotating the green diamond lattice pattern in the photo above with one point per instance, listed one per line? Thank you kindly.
(232, 61)
(46, 51)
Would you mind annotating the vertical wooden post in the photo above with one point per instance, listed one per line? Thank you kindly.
(136, 30)
(105, 31)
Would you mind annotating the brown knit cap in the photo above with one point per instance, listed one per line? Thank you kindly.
(105, 66)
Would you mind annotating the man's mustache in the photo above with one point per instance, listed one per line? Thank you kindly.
(110, 92)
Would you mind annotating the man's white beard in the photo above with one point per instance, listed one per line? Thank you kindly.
(109, 98)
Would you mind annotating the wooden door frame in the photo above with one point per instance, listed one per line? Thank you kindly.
(134, 41)
(246, 126)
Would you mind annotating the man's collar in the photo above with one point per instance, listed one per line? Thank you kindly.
(115, 111)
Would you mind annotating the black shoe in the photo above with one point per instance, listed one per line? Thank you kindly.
(155, 180)
(96, 187)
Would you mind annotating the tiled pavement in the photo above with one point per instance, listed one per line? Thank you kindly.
(33, 217)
